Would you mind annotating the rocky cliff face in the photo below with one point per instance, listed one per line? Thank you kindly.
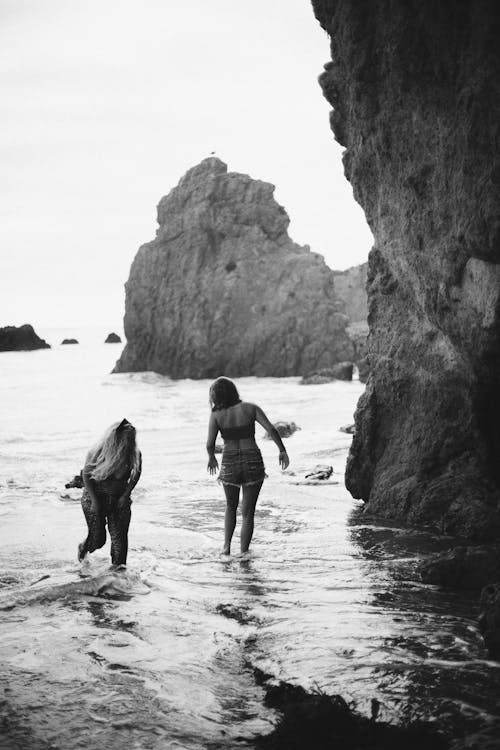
(415, 91)
(350, 286)
(224, 290)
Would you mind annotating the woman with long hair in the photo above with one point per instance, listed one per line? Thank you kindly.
(112, 469)
(242, 464)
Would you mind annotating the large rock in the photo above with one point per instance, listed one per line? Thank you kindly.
(415, 90)
(463, 567)
(350, 286)
(20, 338)
(224, 290)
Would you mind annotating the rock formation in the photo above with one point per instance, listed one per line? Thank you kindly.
(415, 91)
(350, 286)
(113, 338)
(20, 338)
(69, 341)
(224, 290)
(340, 371)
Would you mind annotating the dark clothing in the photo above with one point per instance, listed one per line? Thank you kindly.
(108, 492)
(240, 432)
(241, 466)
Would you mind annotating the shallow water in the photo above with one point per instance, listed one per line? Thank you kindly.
(161, 655)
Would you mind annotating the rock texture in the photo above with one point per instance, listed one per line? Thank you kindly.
(463, 567)
(340, 371)
(415, 90)
(224, 290)
(20, 338)
(350, 286)
(489, 621)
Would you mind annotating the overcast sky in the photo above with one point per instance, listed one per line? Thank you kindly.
(104, 106)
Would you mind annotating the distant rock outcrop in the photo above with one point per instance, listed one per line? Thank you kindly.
(69, 341)
(113, 338)
(223, 288)
(340, 371)
(350, 286)
(20, 338)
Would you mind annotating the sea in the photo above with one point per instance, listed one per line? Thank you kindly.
(162, 654)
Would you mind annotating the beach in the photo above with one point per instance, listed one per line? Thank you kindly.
(161, 654)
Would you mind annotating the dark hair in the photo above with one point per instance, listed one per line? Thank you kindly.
(222, 394)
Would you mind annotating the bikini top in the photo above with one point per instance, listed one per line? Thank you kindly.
(240, 432)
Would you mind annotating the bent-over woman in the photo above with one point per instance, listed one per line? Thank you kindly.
(242, 464)
(112, 469)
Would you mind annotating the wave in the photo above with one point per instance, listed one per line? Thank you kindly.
(112, 584)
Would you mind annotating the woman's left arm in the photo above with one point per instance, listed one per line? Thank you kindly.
(213, 429)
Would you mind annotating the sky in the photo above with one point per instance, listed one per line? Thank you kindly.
(105, 104)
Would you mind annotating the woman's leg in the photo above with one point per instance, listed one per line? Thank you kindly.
(96, 522)
(118, 523)
(250, 496)
(232, 499)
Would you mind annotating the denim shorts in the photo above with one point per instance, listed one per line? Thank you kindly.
(241, 467)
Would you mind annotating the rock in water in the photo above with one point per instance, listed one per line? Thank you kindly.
(20, 338)
(414, 91)
(284, 429)
(113, 338)
(69, 341)
(224, 290)
(340, 371)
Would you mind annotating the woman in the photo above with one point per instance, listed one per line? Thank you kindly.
(242, 464)
(112, 469)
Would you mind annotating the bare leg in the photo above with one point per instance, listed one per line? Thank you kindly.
(232, 499)
(118, 523)
(250, 496)
(96, 522)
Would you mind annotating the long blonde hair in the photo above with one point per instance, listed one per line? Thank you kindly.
(114, 452)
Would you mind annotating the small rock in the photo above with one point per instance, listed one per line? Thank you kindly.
(219, 448)
(113, 338)
(350, 429)
(77, 482)
(69, 341)
(285, 429)
(320, 471)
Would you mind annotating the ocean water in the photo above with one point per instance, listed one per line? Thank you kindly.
(161, 655)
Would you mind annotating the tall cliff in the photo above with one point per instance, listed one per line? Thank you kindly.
(415, 90)
(350, 286)
(223, 289)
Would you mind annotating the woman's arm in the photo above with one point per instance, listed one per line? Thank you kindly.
(133, 479)
(89, 483)
(213, 429)
(273, 433)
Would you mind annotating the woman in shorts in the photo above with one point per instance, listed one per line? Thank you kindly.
(112, 469)
(242, 464)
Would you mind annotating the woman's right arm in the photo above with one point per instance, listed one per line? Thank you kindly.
(89, 483)
(273, 433)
